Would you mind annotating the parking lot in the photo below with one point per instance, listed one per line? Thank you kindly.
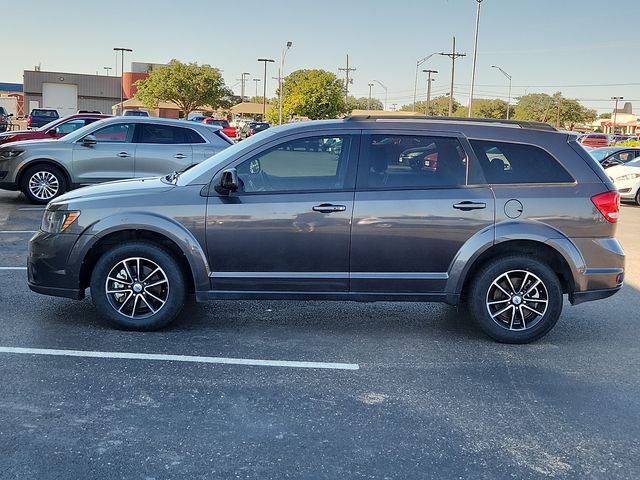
(312, 390)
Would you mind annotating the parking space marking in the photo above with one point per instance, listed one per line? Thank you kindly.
(13, 268)
(180, 358)
(32, 208)
(3, 232)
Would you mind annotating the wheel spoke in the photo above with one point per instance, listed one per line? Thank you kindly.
(154, 297)
(513, 317)
(497, 302)
(124, 262)
(125, 302)
(148, 305)
(500, 312)
(531, 288)
(118, 280)
(513, 289)
(524, 281)
(532, 309)
(502, 289)
(150, 275)
(524, 324)
(159, 282)
(123, 290)
(135, 305)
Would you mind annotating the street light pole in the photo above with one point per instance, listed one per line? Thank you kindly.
(242, 80)
(428, 107)
(106, 69)
(475, 53)
(264, 85)
(385, 94)
(615, 114)
(509, 77)
(415, 83)
(369, 101)
(256, 80)
(280, 75)
(122, 50)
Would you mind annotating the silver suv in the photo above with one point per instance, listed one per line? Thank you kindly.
(115, 148)
(506, 217)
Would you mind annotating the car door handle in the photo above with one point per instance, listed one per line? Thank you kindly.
(179, 156)
(467, 205)
(124, 155)
(329, 208)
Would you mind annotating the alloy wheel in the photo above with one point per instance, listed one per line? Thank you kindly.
(44, 185)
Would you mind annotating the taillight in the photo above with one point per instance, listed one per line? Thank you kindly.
(608, 204)
(252, 131)
(29, 121)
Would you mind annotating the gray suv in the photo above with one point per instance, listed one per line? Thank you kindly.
(505, 217)
(115, 148)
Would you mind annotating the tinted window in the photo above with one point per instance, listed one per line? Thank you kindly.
(624, 156)
(164, 134)
(70, 126)
(504, 163)
(220, 123)
(415, 161)
(117, 133)
(191, 136)
(314, 163)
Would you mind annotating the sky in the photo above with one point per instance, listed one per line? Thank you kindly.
(577, 47)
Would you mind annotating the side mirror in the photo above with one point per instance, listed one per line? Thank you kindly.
(89, 140)
(10, 115)
(52, 132)
(228, 182)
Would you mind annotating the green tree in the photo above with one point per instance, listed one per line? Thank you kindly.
(485, 108)
(188, 85)
(439, 106)
(541, 107)
(362, 103)
(605, 115)
(314, 94)
(257, 99)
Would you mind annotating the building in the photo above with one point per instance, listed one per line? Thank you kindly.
(626, 122)
(14, 90)
(70, 92)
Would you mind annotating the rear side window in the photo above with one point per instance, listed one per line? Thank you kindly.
(505, 163)
(191, 136)
(163, 134)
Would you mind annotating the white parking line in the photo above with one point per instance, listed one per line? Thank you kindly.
(32, 208)
(13, 268)
(180, 358)
(2, 232)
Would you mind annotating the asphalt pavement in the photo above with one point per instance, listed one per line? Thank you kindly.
(395, 391)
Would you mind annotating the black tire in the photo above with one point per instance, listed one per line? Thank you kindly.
(110, 265)
(53, 177)
(511, 325)
(638, 197)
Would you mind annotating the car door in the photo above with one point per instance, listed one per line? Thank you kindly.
(288, 226)
(161, 149)
(110, 158)
(414, 210)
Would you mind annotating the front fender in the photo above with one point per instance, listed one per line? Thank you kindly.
(151, 222)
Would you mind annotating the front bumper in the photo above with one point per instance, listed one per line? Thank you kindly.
(48, 269)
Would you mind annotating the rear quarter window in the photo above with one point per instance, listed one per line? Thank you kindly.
(508, 163)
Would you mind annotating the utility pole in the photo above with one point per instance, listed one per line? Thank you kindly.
(453, 55)
(615, 114)
(280, 75)
(369, 101)
(346, 83)
(242, 83)
(427, 110)
(475, 52)
(264, 86)
(558, 112)
(393, 107)
(384, 107)
(256, 80)
(121, 50)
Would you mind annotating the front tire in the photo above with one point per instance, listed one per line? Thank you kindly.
(138, 286)
(42, 183)
(515, 299)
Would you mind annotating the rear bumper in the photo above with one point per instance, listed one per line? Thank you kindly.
(72, 293)
(577, 298)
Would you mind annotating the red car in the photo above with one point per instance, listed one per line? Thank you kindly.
(56, 129)
(594, 140)
(227, 129)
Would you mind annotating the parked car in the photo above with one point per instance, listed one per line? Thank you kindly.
(114, 148)
(626, 178)
(56, 129)
(135, 113)
(5, 118)
(251, 128)
(611, 156)
(514, 216)
(594, 140)
(227, 129)
(39, 117)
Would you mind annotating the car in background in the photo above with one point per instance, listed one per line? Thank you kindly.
(250, 129)
(135, 113)
(114, 148)
(626, 178)
(594, 140)
(52, 130)
(39, 117)
(227, 129)
(4, 119)
(610, 156)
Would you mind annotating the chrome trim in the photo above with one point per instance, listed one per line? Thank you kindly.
(323, 275)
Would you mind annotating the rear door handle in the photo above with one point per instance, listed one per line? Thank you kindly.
(329, 208)
(179, 156)
(467, 205)
(124, 155)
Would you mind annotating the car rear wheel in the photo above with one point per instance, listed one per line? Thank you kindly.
(515, 299)
(638, 197)
(138, 286)
(42, 183)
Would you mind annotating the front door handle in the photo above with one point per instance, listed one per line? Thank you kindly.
(179, 156)
(467, 205)
(329, 208)
(124, 155)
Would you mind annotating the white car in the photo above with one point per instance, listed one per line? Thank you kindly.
(627, 180)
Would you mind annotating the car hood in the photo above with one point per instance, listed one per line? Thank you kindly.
(30, 144)
(136, 186)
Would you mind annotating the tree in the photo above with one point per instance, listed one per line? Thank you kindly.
(314, 94)
(362, 103)
(485, 108)
(605, 115)
(541, 107)
(439, 106)
(187, 85)
(257, 99)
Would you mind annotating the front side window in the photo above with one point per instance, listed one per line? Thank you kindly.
(307, 164)
(117, 133)
(415, 161)
(506, 163)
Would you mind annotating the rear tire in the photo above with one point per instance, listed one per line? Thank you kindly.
(42, 183)
(515, 299)
(138, 286)
(638, 197)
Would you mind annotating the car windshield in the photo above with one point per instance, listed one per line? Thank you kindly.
(600, 153)
(222, 123)
(49, 125)
(633, 163)
(81, 132)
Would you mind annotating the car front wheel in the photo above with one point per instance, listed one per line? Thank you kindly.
(515, 299)
(138, 286)
(43, 183)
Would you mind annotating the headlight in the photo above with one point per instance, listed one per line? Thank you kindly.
(57, 221)
(629, 176)
(10, 153)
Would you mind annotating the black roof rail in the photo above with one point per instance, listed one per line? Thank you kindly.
(515, 123)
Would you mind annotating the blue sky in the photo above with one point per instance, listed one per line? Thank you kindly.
(573, 46)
